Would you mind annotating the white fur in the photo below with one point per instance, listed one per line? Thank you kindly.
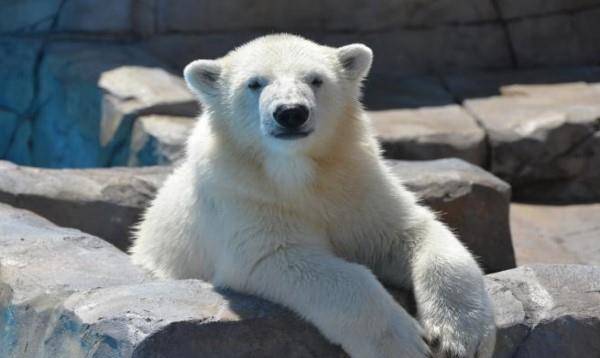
(314, 223)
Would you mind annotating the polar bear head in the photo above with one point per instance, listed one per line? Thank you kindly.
(281, 93)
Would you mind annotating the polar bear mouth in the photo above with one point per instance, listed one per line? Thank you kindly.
(290, 135)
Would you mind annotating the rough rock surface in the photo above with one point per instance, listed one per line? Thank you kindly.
(42, 264)
(103, 202)
(470, 200)
(159, 139)
(545, 140)
(556, 233)
(107, 202)
(547, 311)
(65, 293)
(430, 133)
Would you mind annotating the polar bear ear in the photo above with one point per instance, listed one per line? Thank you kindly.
(356, 60)
(202, 76)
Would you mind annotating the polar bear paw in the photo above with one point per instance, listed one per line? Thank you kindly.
(446, 341)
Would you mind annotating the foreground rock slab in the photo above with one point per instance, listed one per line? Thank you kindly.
(67, 294)
(40, 265)
(108, 202)
(547, 311)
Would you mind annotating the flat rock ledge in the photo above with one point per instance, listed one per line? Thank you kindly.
(64, 293)
(108, 202)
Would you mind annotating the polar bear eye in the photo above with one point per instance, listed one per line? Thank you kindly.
(316, 82)
(254, 84)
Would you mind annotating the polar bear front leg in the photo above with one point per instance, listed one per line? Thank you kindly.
(453, 305)
(343, 300)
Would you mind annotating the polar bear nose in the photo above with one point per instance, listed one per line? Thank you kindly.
(291, 116)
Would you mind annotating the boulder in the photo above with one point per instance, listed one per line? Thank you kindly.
(430, 133)
(547, 311)
(88, 96)
(64, 293)
(471, 201)
(102, 202)
(159, 139)
(41, 264)
(545, 140)
(556, 233)
(108, 202)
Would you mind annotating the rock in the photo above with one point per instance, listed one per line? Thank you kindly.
(430, 133)
(113, 16)
(184, 319)
(562, 39)
(91, 95)
(8, 127)
(18, 60)
(556, 233)
(545, 141)
(511, 9)
(406, 52)
(26, 16)
(547, 311)
(64, 293)
(107, 202)
(474, 203)
(318, 16)
(159, 139)
(484, 84)
(102, 202)
(42, 264)
(389, 91)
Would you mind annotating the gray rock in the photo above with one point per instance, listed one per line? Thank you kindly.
(411, 51)
(103, 202)
(42, 264)
(107, 202)
(510, 9)
(474, 203)
(159, 139)
(182, 319)
(430, 133)
(388, 91)
(314, 15)
(561, 39)
(556, 233)
(463, 86)
(88, 97)
(64, 293)
(545, 140)
(547, 311)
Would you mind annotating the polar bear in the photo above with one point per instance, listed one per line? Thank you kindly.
(283, 194)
